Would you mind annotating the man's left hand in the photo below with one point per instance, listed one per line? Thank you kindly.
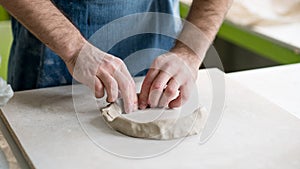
(170, 79)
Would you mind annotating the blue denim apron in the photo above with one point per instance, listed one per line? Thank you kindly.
(33, 65)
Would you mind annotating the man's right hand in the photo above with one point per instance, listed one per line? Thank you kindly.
(86, 63)
(100, 70)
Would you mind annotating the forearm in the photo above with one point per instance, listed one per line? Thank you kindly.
(208, 15)
(203, 22)
(48, 24)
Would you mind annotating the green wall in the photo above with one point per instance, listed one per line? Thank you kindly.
(3, 14)
(5, 41)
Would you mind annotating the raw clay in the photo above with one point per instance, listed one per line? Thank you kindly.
(167, 124)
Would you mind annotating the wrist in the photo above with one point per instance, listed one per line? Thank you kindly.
(72, 48)
(187, 54)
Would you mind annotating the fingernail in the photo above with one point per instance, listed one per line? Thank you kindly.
(152, 106)
(142, 106)
(135, 107)
(131, 108)
(127, 111)
(161, 106)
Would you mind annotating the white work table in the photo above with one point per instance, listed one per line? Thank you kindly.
(253, 133)
(279, 84)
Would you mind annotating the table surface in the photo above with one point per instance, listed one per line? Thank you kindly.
(279, 84)
(253, 133)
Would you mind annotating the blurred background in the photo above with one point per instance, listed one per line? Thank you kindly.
(257, 34)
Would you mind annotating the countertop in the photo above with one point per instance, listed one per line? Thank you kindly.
(279, 84)
(253, 132)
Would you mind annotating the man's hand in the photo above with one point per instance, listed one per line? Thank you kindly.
(176, 71)
(170, 79)
(100, 70)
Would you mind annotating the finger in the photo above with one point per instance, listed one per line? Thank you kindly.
(182, 97)
(135, 97)
(132, 88)
(135, 102)
(126, 90)
(143, 97)
(169, 93)
(157, 88)
(111, 86)
(99, 89)
(125, 84)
